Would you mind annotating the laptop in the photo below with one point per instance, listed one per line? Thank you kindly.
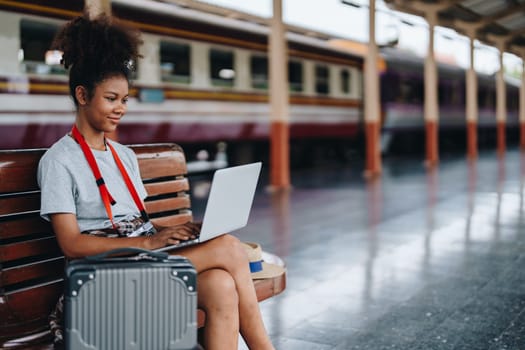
(229, 203)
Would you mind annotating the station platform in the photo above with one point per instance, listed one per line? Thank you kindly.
(416, 259)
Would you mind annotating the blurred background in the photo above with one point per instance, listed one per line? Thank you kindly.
(204, 79)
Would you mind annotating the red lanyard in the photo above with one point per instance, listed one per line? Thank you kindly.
(104, 193)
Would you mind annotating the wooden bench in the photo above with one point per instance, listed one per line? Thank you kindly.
(31, 263)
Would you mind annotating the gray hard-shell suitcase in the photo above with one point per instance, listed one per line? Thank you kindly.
(148, 301)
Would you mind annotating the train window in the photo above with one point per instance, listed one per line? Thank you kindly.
(405, 92)
(295, 76)
(486, 97)
(512, 99)
(443, 94)
(259, 71)
(345, 81)
(450, 93)
(221, 68)
(175, 62)
(482, 97)
(388, 81)
(321, 80)
(35, 56)
(410, 90)
(456, 96)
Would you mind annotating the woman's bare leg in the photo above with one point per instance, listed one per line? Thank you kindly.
(217, 296)
(226, 252)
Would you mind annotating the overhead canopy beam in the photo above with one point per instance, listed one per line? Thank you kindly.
(512, 9)
(498, 23)
(477, 16)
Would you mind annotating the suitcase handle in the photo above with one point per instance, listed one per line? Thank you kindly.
(128, 250)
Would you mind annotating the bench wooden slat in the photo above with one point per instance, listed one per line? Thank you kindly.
(25, 226)
(163, 205)
(267, 288)
(18, 170)
(35, 341)
(44, 246)
(51, 269)
(172, 220)
(150, 169)
(172, 186)
(172, 157)
(157, 150)
(23, 311)
(20, 204)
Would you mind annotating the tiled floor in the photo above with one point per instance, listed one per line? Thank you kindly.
(414, 260)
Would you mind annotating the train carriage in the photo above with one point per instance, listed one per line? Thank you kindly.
(203, 79)
(402, 103)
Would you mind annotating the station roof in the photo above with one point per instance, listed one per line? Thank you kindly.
(205, 7)
(499, 23)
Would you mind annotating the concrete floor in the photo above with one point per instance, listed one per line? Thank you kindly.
(416, 259)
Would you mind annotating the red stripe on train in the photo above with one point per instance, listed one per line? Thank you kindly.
(44, 135)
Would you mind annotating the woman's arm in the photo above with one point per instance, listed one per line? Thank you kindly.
(76, 245)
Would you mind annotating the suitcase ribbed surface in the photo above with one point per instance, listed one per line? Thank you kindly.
(134, 308)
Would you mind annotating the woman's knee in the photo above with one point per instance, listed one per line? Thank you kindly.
(224, 252)
(233, 249)
(216, 289)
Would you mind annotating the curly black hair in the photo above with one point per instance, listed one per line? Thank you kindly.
(96, 49)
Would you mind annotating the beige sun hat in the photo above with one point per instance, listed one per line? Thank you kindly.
(259, 268)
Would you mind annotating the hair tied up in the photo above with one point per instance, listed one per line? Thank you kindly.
(94, 49)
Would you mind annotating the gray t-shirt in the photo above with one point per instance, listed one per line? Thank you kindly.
(68, 185)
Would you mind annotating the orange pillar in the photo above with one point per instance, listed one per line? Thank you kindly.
(279, 101)
(471, 107)
(501, 104)
(501, 139)
(279, 150)
(432, 153)
(431, 107)
(472, 139)
(371, 101)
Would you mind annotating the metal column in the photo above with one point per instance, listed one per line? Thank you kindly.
(522, 105)
(371, 101)
(431, 108)
(501, 105)
(472, 105)
(279, 103)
